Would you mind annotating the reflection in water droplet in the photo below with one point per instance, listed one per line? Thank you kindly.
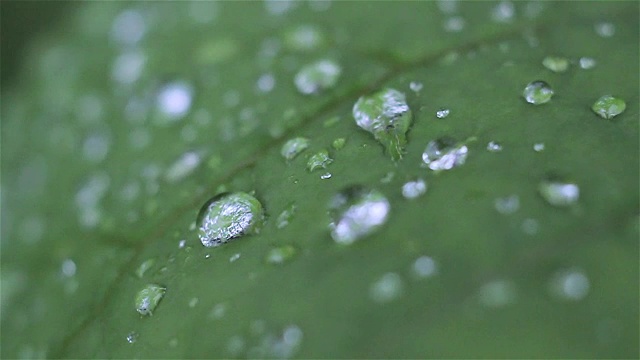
(559, 193)
(497, 293)
(413, 189)
(442, 113)
(537, 92)
(280, 254)
(319, 160)
(494, 146)
(570, 284)
(147, 299)
(132, 337)
(174, 100)
(538, 147)
(587, 63)
(507, 205)
(386, 289)
(425, 267)
(228, 216)
(293, 147)
(317, 77)
(444, 154)
(386, 115)
(357, 212)
(608, 106)
(556, 63)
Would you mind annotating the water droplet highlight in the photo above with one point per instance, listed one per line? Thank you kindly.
(293, 147)
(147, 299)
(319, 160)
(494, 146)
(280, 254)
(559, 193)
(537, 92)
(444, 154)
(228, 216)
(132, 337)
(538, 147)
(357, 212)
(317, 77)
(414, 189)
(386, 115)
(609, 106)
(556, 64)
(442, 113)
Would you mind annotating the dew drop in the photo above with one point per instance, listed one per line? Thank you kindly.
(609, 106)
(425, 267)
(415, 86)
(454, 24)
(587, 63)
(218, 311)
(357, 212)
(494, 146)
(504, 12)
(538, 147)
(556, 64)
(386, 115)
(442, 113)
(497, 293)
(286, 215)
(128, 27)
(193, 302)
(280, 255)
(572, 285)
(234, 257)
(444, 154)
(386, 289)
(293, 147)
(319, 160)
(507, 205)
(338, 143)
(605, 29)
(266, 83)
(144, 267)
(147, 299)
(183, 167)
(303, 38)
(317, 77)
(228, 216)
(559, 193)
(68, 268)
(537, 92)
(174, 100)
(325, 176)
(414, 189)
(132, 337)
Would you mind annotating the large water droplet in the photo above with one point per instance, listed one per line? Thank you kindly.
(318, 76)
(444, 154)
(556, 63)
(293, 147)
(559, 193)
(386, 115)
(319, 160)
(147, 299)
(608, 106)
(357, 212)
(388, 288)
(228, 216)
(537, 92)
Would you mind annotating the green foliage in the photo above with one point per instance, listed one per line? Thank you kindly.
(97, 180)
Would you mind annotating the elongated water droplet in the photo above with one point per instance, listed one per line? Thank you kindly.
(293, 147)
(183, 167)
(280, 254)
(442, 113)
(317, 77)
(357, 212)
(144, 267)
(537, 92)
(444, 154)
(609, 106)
(286, 215)
(413, 189)
(319, 160)
(558, 193)
(228, 216)
(386, 115)
(538, 147)
(326, 176)
(556, 63)
(147, 299)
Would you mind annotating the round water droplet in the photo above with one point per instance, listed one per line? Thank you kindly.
(425, 267)
(147, 299)
(357, 212)
(556, 63)
(442, 113)
(317, 77)
(605, 29)
(280, 254)
(570, 285)
(293, 147)
(414, 189)
(338, 143)
(68, 268)
(228, 216)
(303, 38)
(559, 193)
(415, 86)
(386, 115)
(444, 154)
(497, 293)
(174, 100)
(538, 147)
(319, 160)
(494, 146)
(608, 106)
(388, 288)
(132, 337)
(537, 92)
(587, 63)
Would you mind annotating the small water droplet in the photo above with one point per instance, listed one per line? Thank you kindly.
(303, 38)
(181, 244)
(414, 189)
(286, 215)
(317, 77)
(442, 113)
(497, 293)
(357, 212)
(386, 115)
(605, 29)
(183, 166)
(147, 299)
(266, 83)
(454, 24)
(388, 177)
(571, 284)
(207, 256)
(293, 147)
(338, 143)
(425, 267)
(507, 205)
(415, 86)
(609, 106)
(144, 267)
(537, 92)
(494, 146)
(234, 257)
(556, 63)
(174, 100)
(173, 342)
(218, 311)
(444, 154)
(319, 160)
(280, 254)
(68, 268)
(325, 176)
(504, 12)
(236, 344)
(538, 147)
(530, 226)
(128, 28)
(132, 337)
(559, 193)
(587, 63)
(96, 147)
(228, 216)
(386, 289)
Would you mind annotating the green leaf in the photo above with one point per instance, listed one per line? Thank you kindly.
(101, 183)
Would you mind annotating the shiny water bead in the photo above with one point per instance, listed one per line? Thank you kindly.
(609, 106)
(444, 154)
(228, 216)
(319, 160)
(293, 147)
(537, 92)
(357, 212)
(556, 63)
(559, 193)
(147, 299)
(317, 77)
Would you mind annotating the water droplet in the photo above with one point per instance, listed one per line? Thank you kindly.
(132, 337)
(293, 147)
(96, 147)
(442, 113)
(319, 160)
(144, 267)
(127, 67)
(605, 29)
(415, 86)
(538, 147)
(503, 12)
(234, 257)
(181, 244)
(570, 284)
(218, 311)
(454, 24)
(494, 146)
(128, 27)
(317, 77)
(497, 293)
(608, 106)
(530, 226)
(413, 189)
(236, 343)
(388, 177)
(266, 83)
(559, 193)
(338, 143)
(303, 38)
(286, 215)
(425, 267)
(228, 216)
(357, 212)
(325, 176)
(507, 205)
(386, 115)
(280, 254)
(183, 167)
(444, 154)
(447, 6)
(537, 92)
(174, 100)
(386, 289)
(587, 63)
(556, 63)
(193, 302)
(331, 121)
(147, 299)
(68, 268)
